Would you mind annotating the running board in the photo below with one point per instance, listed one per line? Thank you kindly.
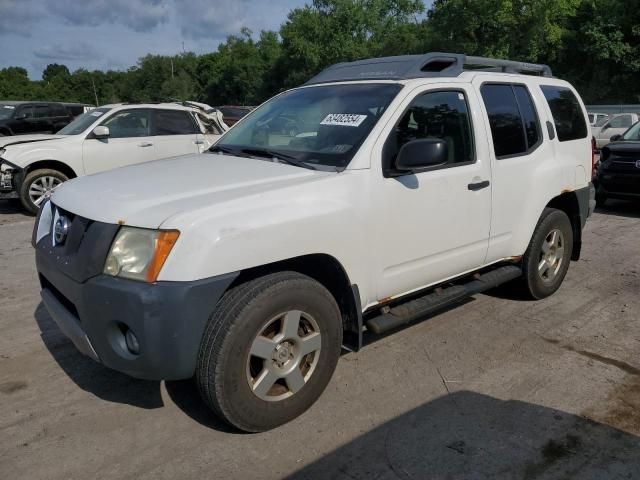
(412, 310)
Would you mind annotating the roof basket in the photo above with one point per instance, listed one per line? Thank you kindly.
(429, 65)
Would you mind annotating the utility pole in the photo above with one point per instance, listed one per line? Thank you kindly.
(95, 93)
(171, 60)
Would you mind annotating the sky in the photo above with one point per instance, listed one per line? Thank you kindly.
(113, 34)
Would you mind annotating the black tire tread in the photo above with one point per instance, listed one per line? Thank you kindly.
(222, 324)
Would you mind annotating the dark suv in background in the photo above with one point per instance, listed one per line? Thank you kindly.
(18, 118)
(618, 174)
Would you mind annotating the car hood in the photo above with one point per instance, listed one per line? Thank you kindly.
(23, 139)
(624, 146)
(147, 194)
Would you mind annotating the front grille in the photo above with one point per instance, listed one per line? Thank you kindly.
(84, 250)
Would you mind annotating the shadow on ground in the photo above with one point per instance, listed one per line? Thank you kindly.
(620, 208)
(466, 435)
(116, 387)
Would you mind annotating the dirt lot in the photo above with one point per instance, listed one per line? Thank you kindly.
(497, 388)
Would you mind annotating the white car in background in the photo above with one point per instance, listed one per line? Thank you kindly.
(615, 125)
(108, 137)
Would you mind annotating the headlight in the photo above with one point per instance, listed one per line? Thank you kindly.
(139, 253)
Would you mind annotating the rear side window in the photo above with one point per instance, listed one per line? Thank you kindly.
(567, 113)
(515, 127)
(58, 110)
(174, 122)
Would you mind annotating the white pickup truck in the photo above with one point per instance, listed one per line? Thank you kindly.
(411, 183)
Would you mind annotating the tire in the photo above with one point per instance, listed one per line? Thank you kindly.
(541, 280)
(231, 378)
(39, 181)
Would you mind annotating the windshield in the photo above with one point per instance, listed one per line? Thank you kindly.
(84, 121)
(601, 121)
(6, 111)
(321, 126)
(633, 133)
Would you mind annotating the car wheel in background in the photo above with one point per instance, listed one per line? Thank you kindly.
(37, 186)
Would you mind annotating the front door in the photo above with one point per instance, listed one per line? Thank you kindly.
(129, 142)
(435, 224)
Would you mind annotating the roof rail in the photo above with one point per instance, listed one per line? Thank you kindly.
(429, 65)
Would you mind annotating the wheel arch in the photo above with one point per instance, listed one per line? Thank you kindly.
(330, 273)
(53, 165)
(569, 204)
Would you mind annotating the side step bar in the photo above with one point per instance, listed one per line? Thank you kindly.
(420, 307)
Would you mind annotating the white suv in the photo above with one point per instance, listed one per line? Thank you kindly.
(411, 184)
(112, 136)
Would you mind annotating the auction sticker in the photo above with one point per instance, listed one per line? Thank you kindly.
(344, 119)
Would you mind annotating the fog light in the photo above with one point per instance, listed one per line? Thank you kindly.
(132, 342)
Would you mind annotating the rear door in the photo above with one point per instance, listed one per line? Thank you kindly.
(518, 153)
(43, 118)
(129, 142)
(175, 133)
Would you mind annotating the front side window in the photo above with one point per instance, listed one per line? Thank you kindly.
(443, 115)
(514, 123)
(320, 126)
(84, 121)
(621, 121)
(567, 113)
(173, 122)
(26, 111)
(129, 123)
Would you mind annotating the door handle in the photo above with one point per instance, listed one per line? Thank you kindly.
(145, 144)
(198, 142)
(474, 187)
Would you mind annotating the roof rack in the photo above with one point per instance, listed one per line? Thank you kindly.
(429, 65)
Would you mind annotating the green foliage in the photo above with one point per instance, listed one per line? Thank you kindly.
(592, 43)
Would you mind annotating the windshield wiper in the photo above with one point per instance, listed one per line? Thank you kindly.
(283, 157)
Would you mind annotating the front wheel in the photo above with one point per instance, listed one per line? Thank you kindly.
(269, 350)
(547, 258)
(38, 186)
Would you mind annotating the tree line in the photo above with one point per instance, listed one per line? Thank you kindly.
(592, 43)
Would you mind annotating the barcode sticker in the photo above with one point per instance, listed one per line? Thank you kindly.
(344, 119)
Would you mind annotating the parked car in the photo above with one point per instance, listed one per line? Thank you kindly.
(107, 137)
(618, 174)
(597, 119)
(615, 125)
(17, 118)
(232, 113)
(77, 109)
(250, 267)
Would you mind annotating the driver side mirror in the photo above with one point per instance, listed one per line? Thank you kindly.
(420, 155)
(101, 132)
(616, 138)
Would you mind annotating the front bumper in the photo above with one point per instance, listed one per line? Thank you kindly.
(619, 185)
(168, 318)
(11, 177)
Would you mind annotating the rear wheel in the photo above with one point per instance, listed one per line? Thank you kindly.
(269, 350)
(546, 261)
(38, 186)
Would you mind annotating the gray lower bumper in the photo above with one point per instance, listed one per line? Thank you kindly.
(68, 324)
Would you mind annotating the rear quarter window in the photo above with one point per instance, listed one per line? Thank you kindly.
(567, 113)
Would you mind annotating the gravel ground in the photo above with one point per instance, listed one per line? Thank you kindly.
(499, 387)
